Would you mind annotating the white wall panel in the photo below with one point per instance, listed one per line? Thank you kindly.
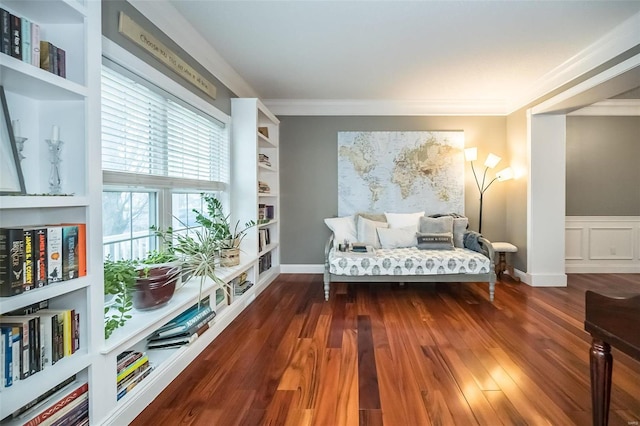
(602, 244)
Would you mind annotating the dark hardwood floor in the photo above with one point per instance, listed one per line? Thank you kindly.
(418, 355)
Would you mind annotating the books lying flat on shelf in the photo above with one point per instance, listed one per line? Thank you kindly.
(264, 159)
(242, 287)
(62, 406)
(187, 322)
(263, 187)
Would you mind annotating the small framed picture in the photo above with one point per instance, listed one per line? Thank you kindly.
(11, 179)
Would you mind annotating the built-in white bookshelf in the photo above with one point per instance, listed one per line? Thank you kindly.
(256, 158)
(39, 100)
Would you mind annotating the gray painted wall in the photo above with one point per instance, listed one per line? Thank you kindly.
(309, 176)
(603, 172)
(110, 12)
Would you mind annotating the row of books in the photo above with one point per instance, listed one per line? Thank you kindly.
(266, 213)
(183, 329)
(31, 342)
(132, 368)
(264, 238)
(242, 287)
(37, 256)
(21, 39)
(65, 404)
(264, 263)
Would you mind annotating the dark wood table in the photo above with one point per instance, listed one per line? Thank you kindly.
(611, 321)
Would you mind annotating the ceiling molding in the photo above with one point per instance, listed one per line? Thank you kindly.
(611, 107)
(622, 38)
(326, 107)
(163, 15)
(617, 79)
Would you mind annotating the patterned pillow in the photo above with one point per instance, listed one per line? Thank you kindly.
(435, 241)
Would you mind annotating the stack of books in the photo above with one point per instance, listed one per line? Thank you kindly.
(67, 403)
(263, 187)
(132, 368)
(358, 248)
(241, 287)
(264, 159)
(183, 329)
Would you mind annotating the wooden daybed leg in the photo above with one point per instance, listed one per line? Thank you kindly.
(326, 290)
(492, 290)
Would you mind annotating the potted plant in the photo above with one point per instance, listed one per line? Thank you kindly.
(228, 236)
(158, 274)
(119, 285)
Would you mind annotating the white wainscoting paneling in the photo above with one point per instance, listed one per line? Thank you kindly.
(602, 244)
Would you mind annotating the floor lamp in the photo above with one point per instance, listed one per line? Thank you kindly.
(471, 154)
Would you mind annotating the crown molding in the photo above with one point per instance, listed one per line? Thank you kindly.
(619, 40)
(611, 107)
(168, 20)
(326, 107)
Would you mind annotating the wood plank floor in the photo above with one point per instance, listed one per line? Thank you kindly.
(417, 355)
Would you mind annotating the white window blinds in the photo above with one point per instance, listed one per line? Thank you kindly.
(144, 132)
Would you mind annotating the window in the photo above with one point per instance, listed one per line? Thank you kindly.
(158, 154)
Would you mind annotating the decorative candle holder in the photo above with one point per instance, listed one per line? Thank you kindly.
(20, 144)
(55, 181)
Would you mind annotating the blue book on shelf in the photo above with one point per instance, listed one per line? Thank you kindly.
(184, 321)
(7, 341)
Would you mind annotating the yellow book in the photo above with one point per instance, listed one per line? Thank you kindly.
(68, 334)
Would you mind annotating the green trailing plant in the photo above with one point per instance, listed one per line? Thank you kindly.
(219, 223)
(119, 281)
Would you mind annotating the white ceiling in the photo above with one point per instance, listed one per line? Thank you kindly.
(473, 52)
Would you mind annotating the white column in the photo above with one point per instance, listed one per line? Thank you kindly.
(546, 200)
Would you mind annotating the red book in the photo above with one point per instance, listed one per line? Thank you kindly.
(61, 399)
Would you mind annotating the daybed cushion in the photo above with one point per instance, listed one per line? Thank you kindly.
(408, 261)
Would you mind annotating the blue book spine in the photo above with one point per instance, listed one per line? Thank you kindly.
(26, 40)
(7, 341)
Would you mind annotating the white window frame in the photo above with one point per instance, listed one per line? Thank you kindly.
(163, 186)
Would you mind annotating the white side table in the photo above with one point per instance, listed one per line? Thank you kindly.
(502, 248)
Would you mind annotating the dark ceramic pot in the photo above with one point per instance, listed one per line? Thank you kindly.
(156, 287)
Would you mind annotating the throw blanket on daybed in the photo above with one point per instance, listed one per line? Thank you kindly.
(407, 247)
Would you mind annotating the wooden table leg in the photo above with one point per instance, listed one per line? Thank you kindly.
(601, 363)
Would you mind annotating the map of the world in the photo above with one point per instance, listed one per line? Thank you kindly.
(401, 172)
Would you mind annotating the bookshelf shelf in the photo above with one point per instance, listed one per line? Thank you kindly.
(38, 84)
(8, 304)
(271, 222)
(56, 12)
(266, 142)
(144, 323)
(42, 202)
(268, 249)
(22, 391)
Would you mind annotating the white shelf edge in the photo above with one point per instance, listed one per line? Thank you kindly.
(267, 194)
(265, 142)
(265, 224)
(144, 323)
(63, 88)
(8, 304)
(268, 248)
(267, 168)
(41, 201)
(21, 392)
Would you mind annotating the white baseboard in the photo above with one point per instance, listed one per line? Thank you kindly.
(302, 269)
(545, 280)
(603, 269)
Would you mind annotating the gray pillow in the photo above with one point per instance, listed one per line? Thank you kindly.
(436, 225)
(435, 241)
(459, 228)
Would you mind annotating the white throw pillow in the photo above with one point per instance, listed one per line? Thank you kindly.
(343, 228)
(367, 233)
(402, 220)
(397, 237)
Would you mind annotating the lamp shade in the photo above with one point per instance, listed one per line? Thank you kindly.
(505, 174)
(492, 161)
(471, 154)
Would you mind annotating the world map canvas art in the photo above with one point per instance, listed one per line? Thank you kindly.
(401, 172)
